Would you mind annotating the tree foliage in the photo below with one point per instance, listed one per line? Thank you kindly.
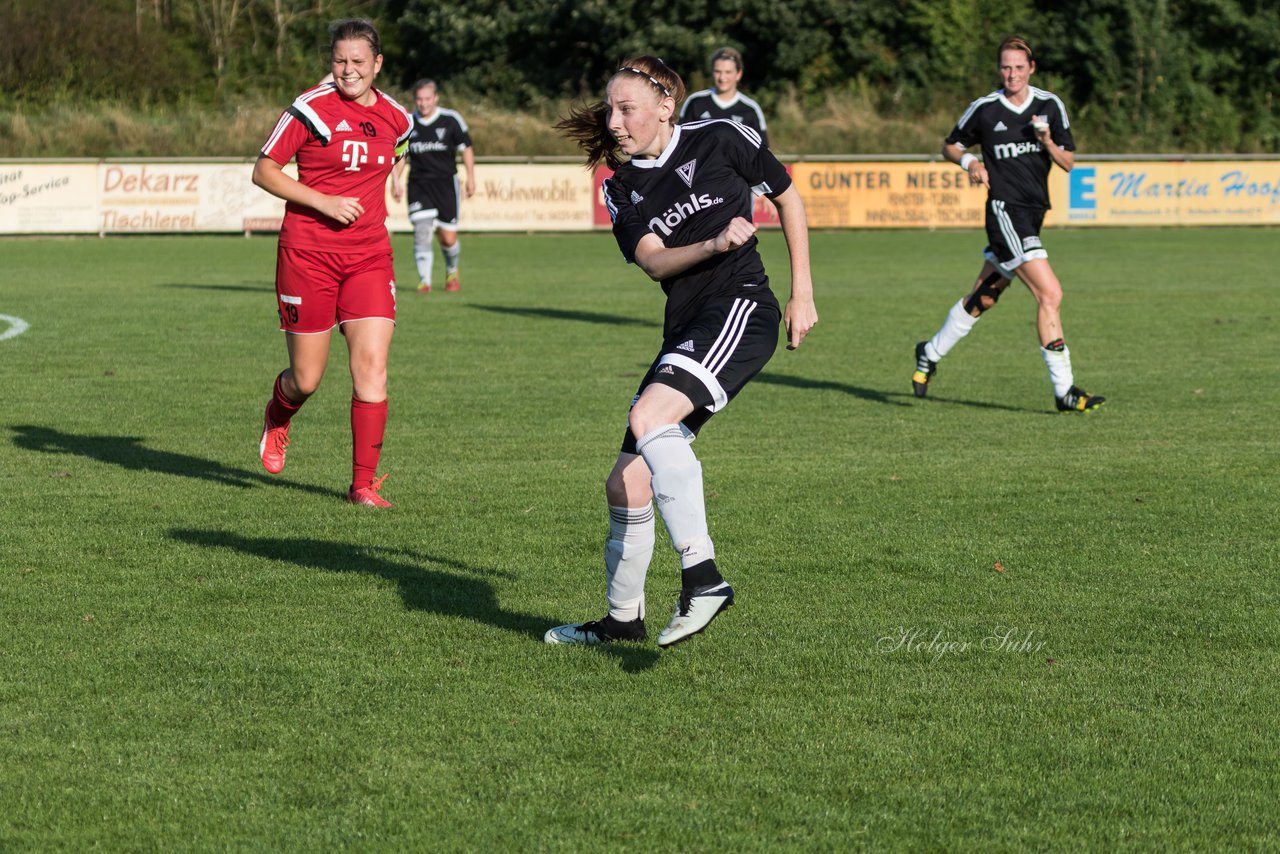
(1190, 75)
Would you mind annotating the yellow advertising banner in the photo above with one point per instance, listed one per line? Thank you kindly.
(1201, 192)
(518, 197)
(888, 195)
(53, 198)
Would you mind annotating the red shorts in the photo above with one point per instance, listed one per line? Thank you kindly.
(315, 290)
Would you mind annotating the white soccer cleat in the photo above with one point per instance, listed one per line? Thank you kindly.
(597, 631)
(694, 612)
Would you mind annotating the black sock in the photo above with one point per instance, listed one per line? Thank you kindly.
(702, 574)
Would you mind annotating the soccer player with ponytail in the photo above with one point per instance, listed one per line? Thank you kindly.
(681, 200)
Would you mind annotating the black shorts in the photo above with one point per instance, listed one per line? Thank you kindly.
(1014, 235)
(437, 200)
(713, 357)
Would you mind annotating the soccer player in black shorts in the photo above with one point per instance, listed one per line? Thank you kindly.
(434, 192)
(681, 209)
(1022, 131)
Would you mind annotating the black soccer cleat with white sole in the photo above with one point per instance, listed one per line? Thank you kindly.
(695, 609)
(605, 630)
(925, 369)
(1078, 400)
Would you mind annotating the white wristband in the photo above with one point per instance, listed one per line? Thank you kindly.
(966, 159)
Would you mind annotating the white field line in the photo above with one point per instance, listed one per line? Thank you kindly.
(17, 326)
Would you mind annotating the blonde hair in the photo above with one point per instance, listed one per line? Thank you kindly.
(589, 125)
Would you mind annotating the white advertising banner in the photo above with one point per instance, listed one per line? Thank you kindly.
(53, 198)
(184, 197)
(519, 197)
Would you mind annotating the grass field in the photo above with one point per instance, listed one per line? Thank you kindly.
(197, 655)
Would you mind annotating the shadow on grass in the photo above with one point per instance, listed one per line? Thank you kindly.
(567, 314)
(889, 398)
(423, 586)
(128, 452)
(268, 288)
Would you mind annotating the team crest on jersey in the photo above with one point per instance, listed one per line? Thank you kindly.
(1000, 126)
(686, 172)
(738, 119)
(440, 133)
(636, 198)
(343, 126)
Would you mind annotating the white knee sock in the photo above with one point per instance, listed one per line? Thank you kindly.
(1060, 374)
(677, 488)
(451, 256)
(958, 324)
(422, 248)
(626, 560)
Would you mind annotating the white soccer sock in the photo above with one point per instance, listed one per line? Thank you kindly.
(626, 560)
(1060, 374)
(677, 488)
(451, 256)
(958, 324)
(422, 250)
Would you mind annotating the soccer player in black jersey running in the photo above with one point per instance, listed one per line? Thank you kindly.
(1023, 131)
(434, 192)
(723, 100)
(681, 208)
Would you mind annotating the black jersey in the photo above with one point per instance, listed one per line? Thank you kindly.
(1017, 164)
(741, 109)
(704, 178)
(433, 146)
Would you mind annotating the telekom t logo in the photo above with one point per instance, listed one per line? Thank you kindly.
(354, 152)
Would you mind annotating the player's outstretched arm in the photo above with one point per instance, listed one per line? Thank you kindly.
(270, 176)
(661, 262)
(800, 315)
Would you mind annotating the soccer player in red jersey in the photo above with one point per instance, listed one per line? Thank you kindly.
(333, 265)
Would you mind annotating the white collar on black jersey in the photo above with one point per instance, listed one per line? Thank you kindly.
(662, 158)
(725, 104)
(426, 120)
(1031, 96)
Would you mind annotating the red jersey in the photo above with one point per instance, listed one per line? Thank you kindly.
(343, 149)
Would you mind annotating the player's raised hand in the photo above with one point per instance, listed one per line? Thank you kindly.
(735, 234)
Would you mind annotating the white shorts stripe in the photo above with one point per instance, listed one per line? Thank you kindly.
(1006, 228)
(736, 325)
(719, 397)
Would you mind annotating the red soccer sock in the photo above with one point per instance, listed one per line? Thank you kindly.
(368, 424)
(281, 409)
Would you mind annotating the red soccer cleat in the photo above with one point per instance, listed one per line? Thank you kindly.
(367, 496)
(452, 282)
(272, 445)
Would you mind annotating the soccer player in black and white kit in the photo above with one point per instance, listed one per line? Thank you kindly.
(1023, 131)
(434, 194)
(724, 101)
(681, 210)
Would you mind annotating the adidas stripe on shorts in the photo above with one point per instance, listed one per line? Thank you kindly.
(1013, 235)
(712, 357)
